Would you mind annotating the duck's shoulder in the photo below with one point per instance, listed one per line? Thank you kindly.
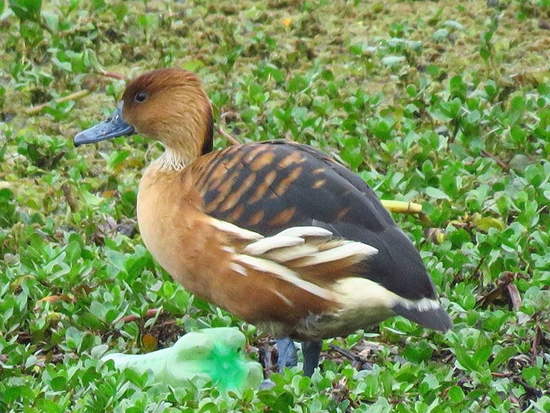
(274, 184)
(251, 160)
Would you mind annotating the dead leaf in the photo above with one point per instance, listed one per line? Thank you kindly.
(515, 297)
(505, 291)
(340, 390)
(435, 235)
(152, 312)
(537, 340)
(53, 299)
(110, 193)
(149, 342)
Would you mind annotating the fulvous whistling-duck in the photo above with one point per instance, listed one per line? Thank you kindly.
(275, 232)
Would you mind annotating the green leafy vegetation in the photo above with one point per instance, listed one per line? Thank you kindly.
(438, 102)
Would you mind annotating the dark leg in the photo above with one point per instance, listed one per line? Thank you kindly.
(311, 351)
(287, 353)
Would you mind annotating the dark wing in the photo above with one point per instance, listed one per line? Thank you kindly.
(267, 187)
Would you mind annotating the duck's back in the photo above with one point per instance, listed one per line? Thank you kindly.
(268, 187)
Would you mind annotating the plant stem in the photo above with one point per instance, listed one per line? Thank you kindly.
(73, 96)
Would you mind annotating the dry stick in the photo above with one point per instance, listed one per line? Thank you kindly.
(69, 197)
(402, 207)
(499, 162)
(227, 136)
(348, 354)
(73, 96)
(399, 207)
(112, 75)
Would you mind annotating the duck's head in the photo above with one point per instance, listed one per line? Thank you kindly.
(168, 105)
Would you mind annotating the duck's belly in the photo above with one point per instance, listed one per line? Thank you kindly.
(321, 326)
(361, 303)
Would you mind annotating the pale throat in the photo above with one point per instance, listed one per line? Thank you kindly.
(181, 147)
(171, 160)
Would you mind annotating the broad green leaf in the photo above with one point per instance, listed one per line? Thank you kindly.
(297, 84)
(26, 9)
(456, 394)
(436, 193)
(393, 60)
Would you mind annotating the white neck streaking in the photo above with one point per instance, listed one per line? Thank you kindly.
(171, 161)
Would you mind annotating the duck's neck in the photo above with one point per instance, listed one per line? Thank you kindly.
(186, 143)
(172, 160)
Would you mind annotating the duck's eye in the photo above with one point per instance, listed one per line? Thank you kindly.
(140, 97)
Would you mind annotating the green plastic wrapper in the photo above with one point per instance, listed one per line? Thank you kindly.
(213, 354)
